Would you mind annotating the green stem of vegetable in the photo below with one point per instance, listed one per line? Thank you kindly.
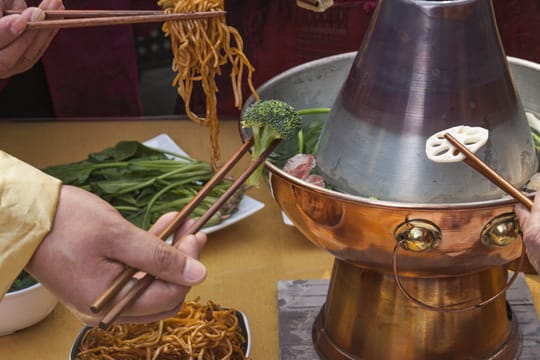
(159, 194)
(126, 208)
(536, 139)
(253, 180)
(165, 165)
(300, 142)
(185, 172)
(315, 148)
(197, 175)
(310, 111)
(171, 205)
(177, 155)
(146, 217)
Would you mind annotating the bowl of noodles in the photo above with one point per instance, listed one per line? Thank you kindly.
(197, 331)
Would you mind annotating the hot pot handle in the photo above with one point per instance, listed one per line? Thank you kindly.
(452, 309)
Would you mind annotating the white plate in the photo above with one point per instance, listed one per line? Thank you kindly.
(248, 206)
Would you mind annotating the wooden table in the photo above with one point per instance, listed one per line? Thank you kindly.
(244, 260)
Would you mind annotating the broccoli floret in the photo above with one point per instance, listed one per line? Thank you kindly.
(271, 120)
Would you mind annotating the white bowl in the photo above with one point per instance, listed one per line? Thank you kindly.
(23, 308)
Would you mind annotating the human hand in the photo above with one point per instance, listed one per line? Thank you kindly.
(530, 227)
(20, 49)
(88, 246)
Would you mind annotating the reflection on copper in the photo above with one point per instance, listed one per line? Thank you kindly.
(323, 211)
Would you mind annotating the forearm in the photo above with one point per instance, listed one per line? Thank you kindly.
(28, 200)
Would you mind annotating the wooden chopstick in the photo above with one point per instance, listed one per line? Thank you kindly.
(67, 14)
(477, 164)
(122, 279)
(104, 20)
(143, 283)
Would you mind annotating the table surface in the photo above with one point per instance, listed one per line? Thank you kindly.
(245, 260)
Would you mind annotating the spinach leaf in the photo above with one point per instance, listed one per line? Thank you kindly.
(140, 182)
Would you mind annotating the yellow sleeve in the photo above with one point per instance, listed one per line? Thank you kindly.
(28, 199)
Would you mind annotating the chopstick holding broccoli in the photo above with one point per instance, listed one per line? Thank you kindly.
(271, 120)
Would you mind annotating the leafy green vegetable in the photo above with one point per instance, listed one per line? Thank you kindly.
(23, 281)
(143, 183)
(536, 138)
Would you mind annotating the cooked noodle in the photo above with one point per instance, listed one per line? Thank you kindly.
(196, 332)
(200, 47)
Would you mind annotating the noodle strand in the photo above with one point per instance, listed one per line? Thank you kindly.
(196, 332)
(200, 47)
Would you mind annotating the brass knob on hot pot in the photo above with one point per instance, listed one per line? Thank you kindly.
(418, 235)
(501, 231)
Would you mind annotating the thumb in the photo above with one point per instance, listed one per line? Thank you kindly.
(521, 212)
(146, 252)
(33, 14)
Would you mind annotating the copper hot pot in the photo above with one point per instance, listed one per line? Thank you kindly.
(415, 276)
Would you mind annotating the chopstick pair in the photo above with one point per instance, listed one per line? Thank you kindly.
(142, 283)
(58, 19)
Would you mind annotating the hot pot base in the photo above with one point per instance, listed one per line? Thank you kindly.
(366, 317)
(302, 316)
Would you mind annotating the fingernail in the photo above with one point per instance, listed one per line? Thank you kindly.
(18, 25)
(194, 271)
(37, 15)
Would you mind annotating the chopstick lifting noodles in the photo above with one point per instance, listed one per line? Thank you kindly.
(66, 14)
(116, 19)
(201, 43)
(200, 48)
(196, 332)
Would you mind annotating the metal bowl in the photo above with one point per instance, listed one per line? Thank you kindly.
(243, 324)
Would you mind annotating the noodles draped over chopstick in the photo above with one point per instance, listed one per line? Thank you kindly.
(196, 332)
(200, 47)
